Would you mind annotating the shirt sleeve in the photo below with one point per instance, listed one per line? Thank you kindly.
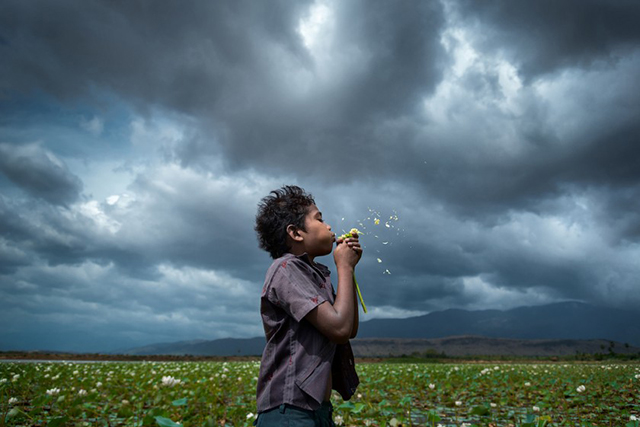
(294, 290)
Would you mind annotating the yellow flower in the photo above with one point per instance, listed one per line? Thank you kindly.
(351, 233)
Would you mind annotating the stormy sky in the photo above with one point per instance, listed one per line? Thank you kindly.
(488, 150)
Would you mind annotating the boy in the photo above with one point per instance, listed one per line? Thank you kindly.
(306, 324)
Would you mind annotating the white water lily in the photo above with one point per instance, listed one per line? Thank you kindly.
(53, 391)
(169, 381)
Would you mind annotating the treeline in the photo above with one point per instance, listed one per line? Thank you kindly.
(432, 356)
(44, 355)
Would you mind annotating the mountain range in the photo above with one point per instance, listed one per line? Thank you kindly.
(565, 320)
(553, 329)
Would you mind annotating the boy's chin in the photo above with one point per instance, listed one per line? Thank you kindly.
(325, 252)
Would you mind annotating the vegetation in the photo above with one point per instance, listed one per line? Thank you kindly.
(408, 394)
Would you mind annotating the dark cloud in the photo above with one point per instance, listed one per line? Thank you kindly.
(152, 52)
(40, 173)
(383, 60)
(210, 227)
(548, 36)
(206, 60)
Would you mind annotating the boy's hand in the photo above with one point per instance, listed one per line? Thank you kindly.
(348, 251)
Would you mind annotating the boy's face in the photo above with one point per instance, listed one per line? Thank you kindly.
(318, 237)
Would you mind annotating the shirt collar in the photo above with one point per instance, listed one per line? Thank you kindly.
(320, 268)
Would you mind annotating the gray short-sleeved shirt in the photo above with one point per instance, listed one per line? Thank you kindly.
(297, 359)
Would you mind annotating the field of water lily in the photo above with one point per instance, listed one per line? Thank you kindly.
(223, 393)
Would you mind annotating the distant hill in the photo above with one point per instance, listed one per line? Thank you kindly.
(483, 346)
(567, 320)
(220, 347)
(554, 329)
(388, 347)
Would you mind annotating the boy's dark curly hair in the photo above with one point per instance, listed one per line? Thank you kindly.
(283, 207)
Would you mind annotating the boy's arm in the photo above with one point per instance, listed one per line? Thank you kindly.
(339, 321)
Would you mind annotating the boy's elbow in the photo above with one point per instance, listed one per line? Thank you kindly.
(341, 335)
(336, 327)
(341, 340)
(354, 330)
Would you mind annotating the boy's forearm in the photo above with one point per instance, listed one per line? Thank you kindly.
(346, 300)
(345, 303)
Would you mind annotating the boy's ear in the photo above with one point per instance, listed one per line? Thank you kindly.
(293, 232)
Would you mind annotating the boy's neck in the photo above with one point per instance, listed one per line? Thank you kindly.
(298, 249)
(301, 252)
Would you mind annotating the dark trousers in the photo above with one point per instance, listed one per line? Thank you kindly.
(290, 416)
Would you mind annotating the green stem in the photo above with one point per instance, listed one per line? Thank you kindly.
(364, 307)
